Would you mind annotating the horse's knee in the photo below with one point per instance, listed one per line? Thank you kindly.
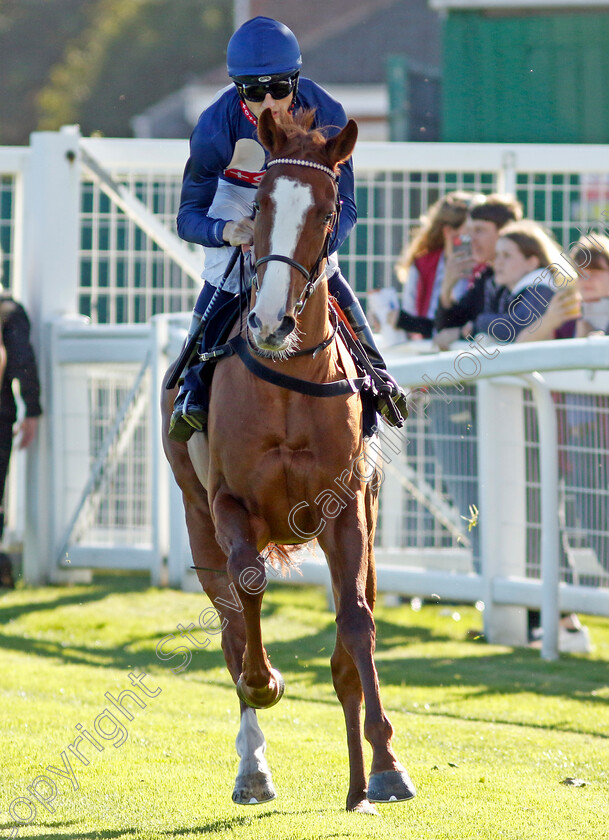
(246, 569)
(378, 732)
(238, 539)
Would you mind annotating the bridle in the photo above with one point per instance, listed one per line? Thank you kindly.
(313, 277)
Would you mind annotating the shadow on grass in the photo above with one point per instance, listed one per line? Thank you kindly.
(89, 835)
(307, 658)
(286, 655)
(103, 587)
(226, 824)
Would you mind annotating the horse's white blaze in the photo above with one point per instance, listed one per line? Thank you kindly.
(291, 202)
(251, 745)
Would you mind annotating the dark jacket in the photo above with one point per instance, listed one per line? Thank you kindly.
(415, 324)
(483, 296)
(498, 311)
(20, 362)
(215, 155)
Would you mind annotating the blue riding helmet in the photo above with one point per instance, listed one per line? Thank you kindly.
(262, 47)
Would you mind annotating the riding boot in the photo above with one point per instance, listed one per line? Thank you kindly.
(188, 416)
(359, 324)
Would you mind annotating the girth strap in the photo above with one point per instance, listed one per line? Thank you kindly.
(291, 383)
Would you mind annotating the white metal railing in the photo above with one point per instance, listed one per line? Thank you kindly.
(123, 275)
(125, 197)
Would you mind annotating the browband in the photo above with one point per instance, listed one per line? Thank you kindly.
(310, 163)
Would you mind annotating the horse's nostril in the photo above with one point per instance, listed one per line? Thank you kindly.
(285, 328)
(254, 321)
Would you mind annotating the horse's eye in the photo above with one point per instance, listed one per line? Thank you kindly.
(329, 218)
(256, 206)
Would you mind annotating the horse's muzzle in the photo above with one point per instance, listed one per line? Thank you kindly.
(273, 338)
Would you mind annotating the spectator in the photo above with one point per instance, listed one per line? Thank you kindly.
(486, 218)
(518, 296)
(434, 254)
(425, 266)
(494, 303)
(591, 254)
(20, 366)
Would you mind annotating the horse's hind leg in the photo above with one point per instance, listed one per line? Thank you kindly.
(389, 781)
(348, 689)
(348, 549)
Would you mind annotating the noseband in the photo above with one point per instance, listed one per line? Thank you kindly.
(312, 277)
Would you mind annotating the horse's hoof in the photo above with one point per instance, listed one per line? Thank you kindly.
(364, 807)
(390, 786)
(262, 698)
(254, 789)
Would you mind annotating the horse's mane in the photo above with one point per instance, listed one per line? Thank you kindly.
(301, 139)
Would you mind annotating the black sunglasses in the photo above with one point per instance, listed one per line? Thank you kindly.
(257, 92)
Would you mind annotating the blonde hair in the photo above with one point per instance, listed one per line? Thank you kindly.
(450, 210)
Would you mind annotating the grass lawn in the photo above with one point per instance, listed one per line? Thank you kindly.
(488, 734)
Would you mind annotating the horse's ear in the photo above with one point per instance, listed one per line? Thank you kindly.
(271, 135)
(342, 144)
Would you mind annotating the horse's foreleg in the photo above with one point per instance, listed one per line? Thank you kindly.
(209, 559)
(254, 783)
(260, 686)
(389, 781)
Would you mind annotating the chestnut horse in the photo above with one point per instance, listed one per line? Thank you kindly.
(263, 473)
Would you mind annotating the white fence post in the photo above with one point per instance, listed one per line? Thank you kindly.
(160, 467)
(550, 540)
(501, 476)
(50, 275)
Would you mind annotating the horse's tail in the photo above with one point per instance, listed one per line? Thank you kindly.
(283, 558)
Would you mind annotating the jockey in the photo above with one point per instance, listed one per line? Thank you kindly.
(226, 165)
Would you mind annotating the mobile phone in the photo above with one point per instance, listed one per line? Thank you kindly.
(462, 245)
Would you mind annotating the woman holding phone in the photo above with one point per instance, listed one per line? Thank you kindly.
(439, 248)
